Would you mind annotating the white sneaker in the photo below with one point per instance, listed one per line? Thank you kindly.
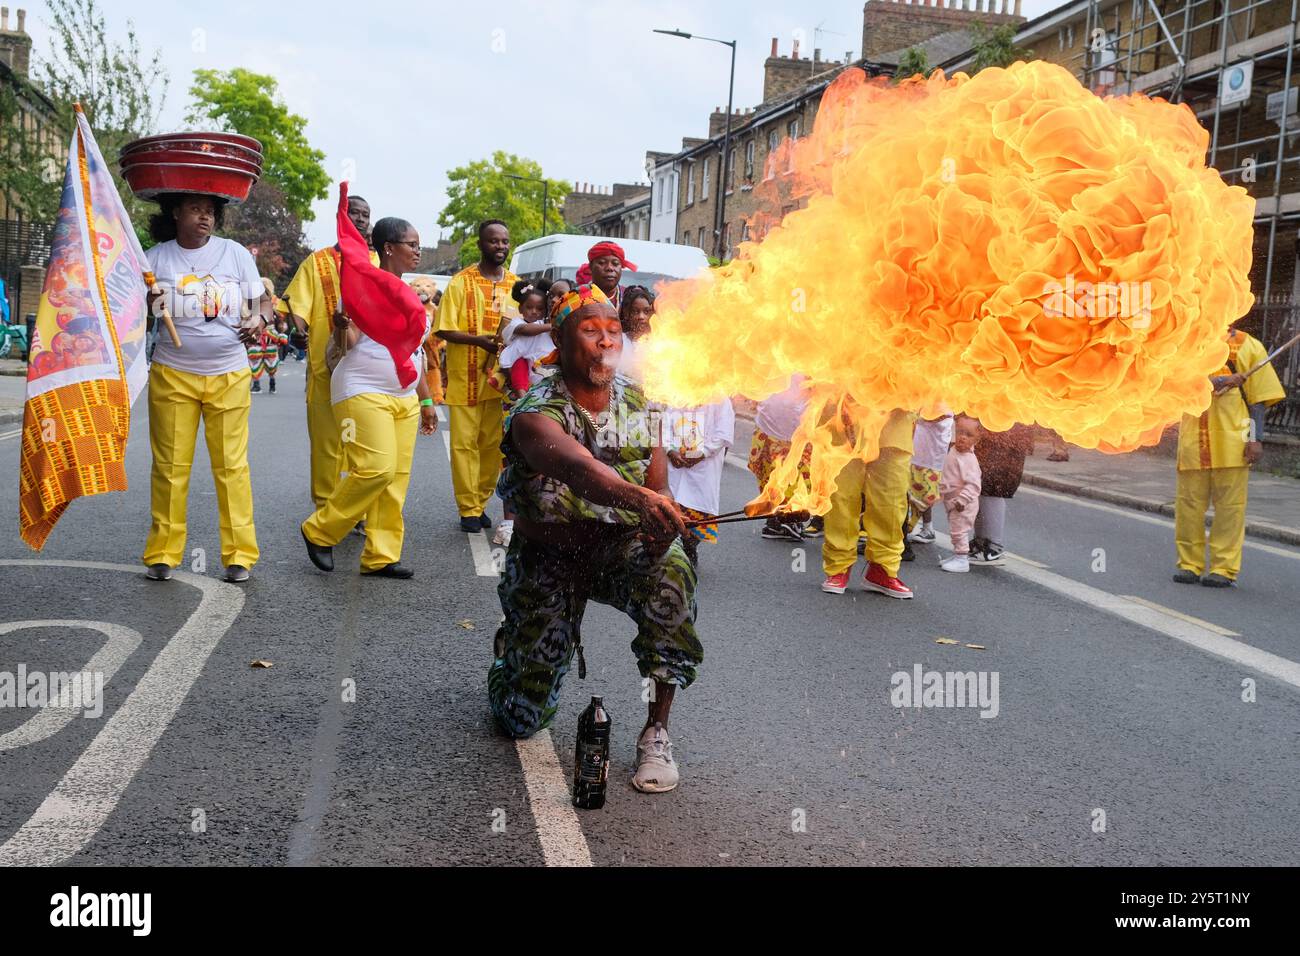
(922, 534)
(957, 563)
(505, 531)
(655, 770)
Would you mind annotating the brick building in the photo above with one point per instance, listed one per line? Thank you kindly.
(620, 212)
(24, 244)
(792, 88)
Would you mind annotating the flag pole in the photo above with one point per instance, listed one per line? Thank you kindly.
(166, 316)
(152, 284)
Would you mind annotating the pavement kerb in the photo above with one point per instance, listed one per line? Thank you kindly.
(1256, 529)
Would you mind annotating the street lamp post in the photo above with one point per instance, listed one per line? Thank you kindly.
(546, 192)
(721, 215)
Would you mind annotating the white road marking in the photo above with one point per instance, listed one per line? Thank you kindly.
(1149, 518)
(48, 721)
(558, 829)
(78, 806)
(1208, 625)
(1157, 618)
(735, 461)
(11, 434)
(563, 843)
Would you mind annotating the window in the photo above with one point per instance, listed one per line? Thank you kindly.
(744, 231)
(769, 165)
(792, 131)
(702, 237)
(731, 170)
(726, 240)
(686, 238)
(749, 161)
(704, 182)
(672, 193)
(690, 183)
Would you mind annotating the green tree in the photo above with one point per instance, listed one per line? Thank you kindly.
(996, 47)
(912, 62)
(120, 88)
(484, 189)
(245, 102)
(266, 223)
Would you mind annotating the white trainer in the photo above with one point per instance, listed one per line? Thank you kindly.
(957, 563)
(656, 772)
(922, 534)
(505, 531)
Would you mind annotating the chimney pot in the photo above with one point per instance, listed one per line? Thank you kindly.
(794, 55)
(22, 21)
(1017, 8)
(4, 19)
(774, 46)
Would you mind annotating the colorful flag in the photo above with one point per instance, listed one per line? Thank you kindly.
(87, 361)
(384, 307)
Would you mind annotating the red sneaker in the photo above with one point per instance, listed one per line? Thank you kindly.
(877, 580)
(836, 583)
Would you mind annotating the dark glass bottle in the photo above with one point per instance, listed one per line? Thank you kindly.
(591, 757)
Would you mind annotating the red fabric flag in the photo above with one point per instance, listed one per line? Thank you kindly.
(383, 306)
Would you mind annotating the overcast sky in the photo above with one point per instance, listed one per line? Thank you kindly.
(400, 93)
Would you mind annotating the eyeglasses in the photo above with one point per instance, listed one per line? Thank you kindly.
(412, 244)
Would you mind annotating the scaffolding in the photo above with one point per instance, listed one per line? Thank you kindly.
(1190, 51)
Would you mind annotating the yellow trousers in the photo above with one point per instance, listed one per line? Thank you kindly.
(177, 401)
(378, 437)
(884, 484)
(475, 454)
(1225, 488)
(323, 434)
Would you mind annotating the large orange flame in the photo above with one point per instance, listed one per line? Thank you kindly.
(1008, 245)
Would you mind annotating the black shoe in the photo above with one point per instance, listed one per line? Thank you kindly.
(471, 525)
(484, 520)
(323, 558)
(159, 572)
(359, 528)
(272, 386)
(1183, 576)
(257, 386)
(236, 574)
(1217, 581)
(394, 570)
(908, 553)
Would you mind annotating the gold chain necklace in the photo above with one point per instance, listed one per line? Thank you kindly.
(586, 414)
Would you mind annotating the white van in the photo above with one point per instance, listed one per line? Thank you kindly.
(559, 256)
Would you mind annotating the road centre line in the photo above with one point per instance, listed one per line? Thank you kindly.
(1156, 618)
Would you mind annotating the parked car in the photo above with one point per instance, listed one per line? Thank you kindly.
(559, 256)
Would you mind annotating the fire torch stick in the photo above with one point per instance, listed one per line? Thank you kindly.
(1268, 358)
(152, 283)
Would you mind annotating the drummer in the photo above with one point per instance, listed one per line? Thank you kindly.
(209, 284)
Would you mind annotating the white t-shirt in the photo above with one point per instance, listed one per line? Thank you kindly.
(214, 280)
(930, 442)
(707, 430)
(778, 416)
(368, 368)
(528, 347)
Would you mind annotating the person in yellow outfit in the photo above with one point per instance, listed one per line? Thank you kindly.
(1215, 452)
(310, 302)
(469, 316)
(376, 419)
(207, 283)
(883, 484)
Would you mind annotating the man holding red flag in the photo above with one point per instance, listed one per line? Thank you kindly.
(468, 318)
(310, 302)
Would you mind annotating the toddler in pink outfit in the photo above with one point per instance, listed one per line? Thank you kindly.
(960, 490)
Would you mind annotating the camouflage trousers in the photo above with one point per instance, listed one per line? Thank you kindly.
(543, 596)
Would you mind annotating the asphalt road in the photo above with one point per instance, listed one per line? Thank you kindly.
(1119, 692)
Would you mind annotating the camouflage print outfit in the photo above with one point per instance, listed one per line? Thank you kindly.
(544, 592)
